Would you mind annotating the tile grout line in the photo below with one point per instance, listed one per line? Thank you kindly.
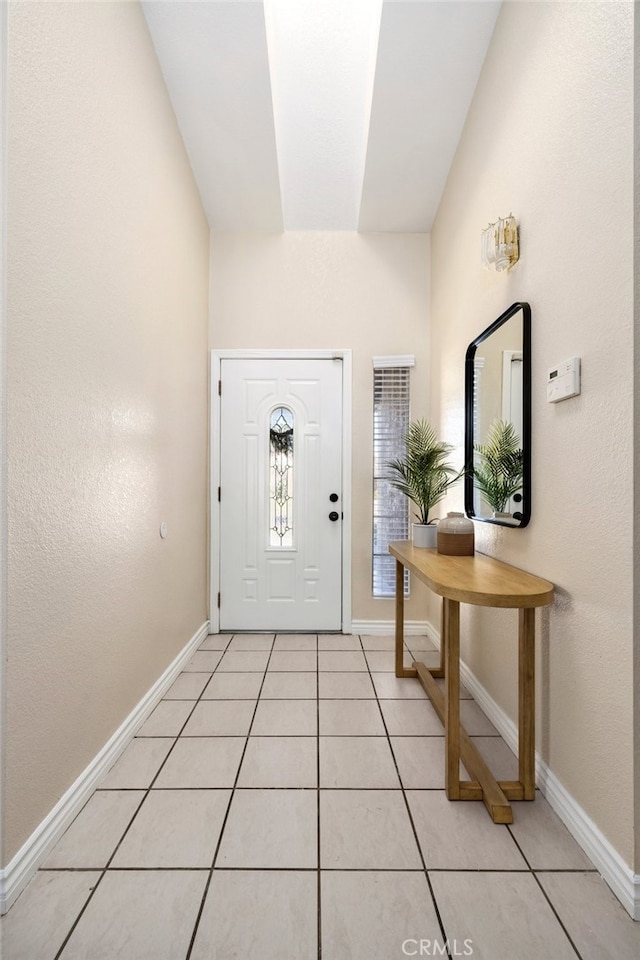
(102, 871)
(319, 864)
(544, 892)
(147, 790)
(226, 816)
(408, 809)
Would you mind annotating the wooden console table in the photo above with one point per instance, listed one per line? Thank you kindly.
(484, 582)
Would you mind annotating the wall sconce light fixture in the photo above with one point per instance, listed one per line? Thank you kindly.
(500, 244)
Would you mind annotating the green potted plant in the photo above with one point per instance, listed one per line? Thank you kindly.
(499, 466)
(424, 476)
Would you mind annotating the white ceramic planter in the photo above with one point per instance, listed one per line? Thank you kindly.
(424, 534)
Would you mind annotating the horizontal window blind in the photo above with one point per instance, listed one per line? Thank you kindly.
(390, 507)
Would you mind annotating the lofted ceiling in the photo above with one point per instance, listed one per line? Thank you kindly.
(321, 114)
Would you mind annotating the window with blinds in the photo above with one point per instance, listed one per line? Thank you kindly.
(390, 507)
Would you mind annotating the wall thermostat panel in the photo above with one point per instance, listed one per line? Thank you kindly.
(563, 381)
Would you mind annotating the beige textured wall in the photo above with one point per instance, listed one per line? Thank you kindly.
(549, 137)
(107, 391)
(328, 290)
(636, 460)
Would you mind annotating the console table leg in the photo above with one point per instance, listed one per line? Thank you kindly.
(526, 702)
(451, 639)
(401, 670)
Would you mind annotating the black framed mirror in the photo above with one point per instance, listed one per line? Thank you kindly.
(497, 485)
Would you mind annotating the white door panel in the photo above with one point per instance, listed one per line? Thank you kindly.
(280, 568)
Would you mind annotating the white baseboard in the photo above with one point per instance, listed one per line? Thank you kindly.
(15, 876)
(620, 877)
(371, 628)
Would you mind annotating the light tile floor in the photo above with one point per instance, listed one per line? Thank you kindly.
(285, 802)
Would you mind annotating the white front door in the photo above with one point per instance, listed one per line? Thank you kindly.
(280, 494)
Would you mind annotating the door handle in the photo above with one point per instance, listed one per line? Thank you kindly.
(334, 516)
(333, 497)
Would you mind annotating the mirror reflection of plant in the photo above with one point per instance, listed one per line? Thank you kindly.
(423, 474)
(499, 475)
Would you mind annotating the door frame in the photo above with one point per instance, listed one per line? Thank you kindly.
(217, 356)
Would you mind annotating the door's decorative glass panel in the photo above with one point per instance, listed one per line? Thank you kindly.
(281, 478)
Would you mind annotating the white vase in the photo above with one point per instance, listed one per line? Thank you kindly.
(424, 534)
